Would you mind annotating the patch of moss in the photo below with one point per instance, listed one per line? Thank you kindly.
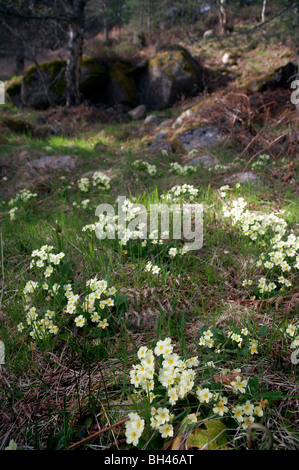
(257, 85)
(169, 60)
(123, 72)
(13, 87)
(54, 76)
(94, 67)
(177, 146)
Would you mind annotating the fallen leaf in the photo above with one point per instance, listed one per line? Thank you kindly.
(210, 436)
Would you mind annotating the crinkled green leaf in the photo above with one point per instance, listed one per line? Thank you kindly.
(211, 435)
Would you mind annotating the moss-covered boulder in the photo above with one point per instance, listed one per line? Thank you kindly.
(170, 74)
(121, 87)
(156, 83)
(281, 77)
(93, 80)
(45, 85)
(196, 139)
(13, 90)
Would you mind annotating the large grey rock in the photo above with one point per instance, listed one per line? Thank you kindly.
(41, 170)
(99, 83)
(200, 137)
(45, 86)
(54, 163)
(280, 77)
(46, 165)
(169, 75)
(121, 86)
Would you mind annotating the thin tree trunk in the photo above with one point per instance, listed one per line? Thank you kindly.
(106, 29)
(44, 83)
(263, 11)
(20, 59)
(149, 18)
(141, 11)
(75, 47)
(222, 16)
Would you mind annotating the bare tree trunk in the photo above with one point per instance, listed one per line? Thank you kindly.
(106, 31)
(106, 28)
(45, 86)
(222, 17)
(75, 47)
(263, 11)
(141, 11)
(149, 18)
(20, 58)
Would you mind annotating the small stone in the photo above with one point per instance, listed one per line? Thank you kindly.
(226, 58)
(182, 117)
(137, 113)
(208, 34)
(151, 120)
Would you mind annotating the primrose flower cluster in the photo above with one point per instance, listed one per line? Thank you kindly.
(161, 366)
(108, 224)
(181, 170)
(262, 162)
(280, 257)
(22, 197)
(98, 180)
(225, 188)
(220, 340)
(145, 166)
(244, 412)
(93, 304)
(186, 192)
(41, 324)
(234, 165)
(152, 268)
(175, 251)
(60, 298)
(84, 204)
(111, 226)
